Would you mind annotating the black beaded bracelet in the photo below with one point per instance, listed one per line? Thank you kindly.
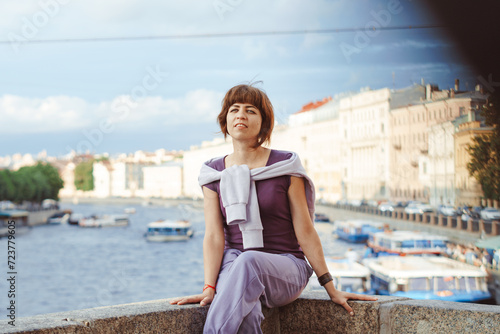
(325, 278)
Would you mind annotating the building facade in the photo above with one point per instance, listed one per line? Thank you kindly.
(415, 172)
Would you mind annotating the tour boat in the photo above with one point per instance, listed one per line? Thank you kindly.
(104, 221)
(347, 276)
(406, 243)
(357, 231)
(321, 218)
(428, 277)
(169, 230)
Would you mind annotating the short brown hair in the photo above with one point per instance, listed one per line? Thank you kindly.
(256, 97)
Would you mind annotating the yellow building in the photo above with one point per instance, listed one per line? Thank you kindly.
(469, 191)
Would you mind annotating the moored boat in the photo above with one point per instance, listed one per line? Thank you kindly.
(130, 210)
(169, 230)
(407, 243)
(357, 231)
(104, 221)
(428, 277)
(75, 218)
(57, 218)
(347, 276)
(321, 218)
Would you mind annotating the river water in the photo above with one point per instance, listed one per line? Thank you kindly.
(66, 267)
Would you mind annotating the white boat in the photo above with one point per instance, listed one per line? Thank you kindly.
(347, 276)
(58, 218)
(129, 210)
(169, 230)
(407, 243)
(104, 221)
(428, 277)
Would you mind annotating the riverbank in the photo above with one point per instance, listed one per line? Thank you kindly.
(133, 201)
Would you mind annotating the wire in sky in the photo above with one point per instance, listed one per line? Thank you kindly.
(222, 35)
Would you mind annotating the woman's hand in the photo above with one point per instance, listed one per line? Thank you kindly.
(341, 298)
(204, 298)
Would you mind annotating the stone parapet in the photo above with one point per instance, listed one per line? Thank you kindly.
(311, 313)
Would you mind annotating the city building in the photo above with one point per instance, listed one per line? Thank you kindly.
(364, 144)
(415, 173)
(163, 181)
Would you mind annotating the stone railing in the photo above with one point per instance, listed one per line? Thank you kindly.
(476, 226)
(311, 313)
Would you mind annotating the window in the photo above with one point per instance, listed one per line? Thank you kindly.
(462, 111)
(420, 283)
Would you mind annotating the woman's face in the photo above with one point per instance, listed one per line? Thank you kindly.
(243, 121)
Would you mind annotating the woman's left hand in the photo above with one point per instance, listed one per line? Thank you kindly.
(341, 298)
(204, 298)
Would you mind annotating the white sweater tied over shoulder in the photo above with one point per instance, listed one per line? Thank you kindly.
(239, 195)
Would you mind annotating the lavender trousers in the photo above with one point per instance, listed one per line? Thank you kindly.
(246, 281)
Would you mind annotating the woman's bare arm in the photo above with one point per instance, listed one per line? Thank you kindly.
(310, 242)
(213, 249)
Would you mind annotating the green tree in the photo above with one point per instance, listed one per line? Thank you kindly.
(24, 184)
(49, 181)
(7, 188)
(30, 183)
(84, 179)
(485, 151)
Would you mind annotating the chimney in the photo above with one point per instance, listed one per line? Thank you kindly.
(428, 92)
(479, 88)
(457, 84)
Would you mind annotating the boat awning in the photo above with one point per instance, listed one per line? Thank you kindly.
(13, 214)
(490, 243)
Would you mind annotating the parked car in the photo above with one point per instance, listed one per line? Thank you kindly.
(7, 205)
(49, 204)
(475, 212)
(447, 210)
(412, 207)
(425, 208)
(418, 208)
(386, 206)
(490, 214)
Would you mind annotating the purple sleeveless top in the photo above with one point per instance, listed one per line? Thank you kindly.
(279, 235)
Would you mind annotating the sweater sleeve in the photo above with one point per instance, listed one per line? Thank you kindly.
(235, 191)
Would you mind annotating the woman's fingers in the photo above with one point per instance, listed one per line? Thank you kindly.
(347, 308)
(362, 297)
(186, 300)
(207, 300)
(342, 297)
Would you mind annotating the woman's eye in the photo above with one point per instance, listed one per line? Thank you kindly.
(251, 111)
(233, 110)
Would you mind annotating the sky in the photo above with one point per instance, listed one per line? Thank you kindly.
(108, 76)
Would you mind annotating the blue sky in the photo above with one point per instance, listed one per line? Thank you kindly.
(125, 95)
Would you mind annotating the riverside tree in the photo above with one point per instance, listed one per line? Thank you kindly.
(30, 183)
(84, 179)
(485, 151)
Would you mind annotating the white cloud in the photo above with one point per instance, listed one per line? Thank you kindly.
(33, 115)
(62, 113)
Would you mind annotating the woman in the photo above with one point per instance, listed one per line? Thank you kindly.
(259, 205)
